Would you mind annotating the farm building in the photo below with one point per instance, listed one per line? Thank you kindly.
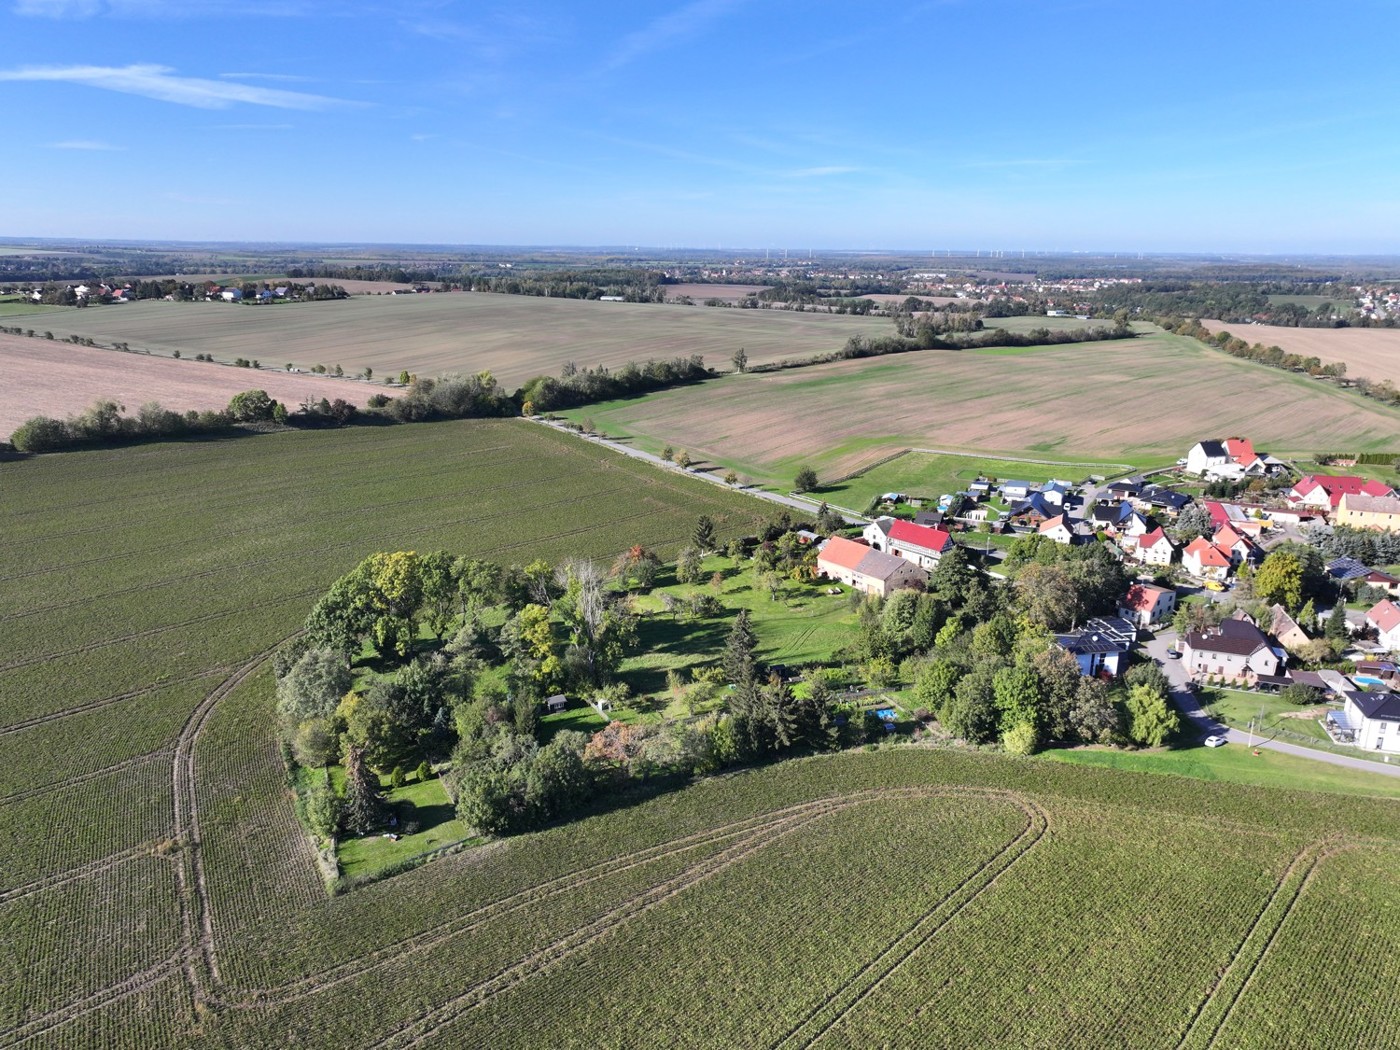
(1361, 511)
(867, 569)
(1325, 491)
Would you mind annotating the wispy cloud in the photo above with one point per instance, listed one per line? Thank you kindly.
(667, 30)
(86, 144)
(158, 82)
(284, 77)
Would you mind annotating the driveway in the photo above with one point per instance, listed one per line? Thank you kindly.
(1186, 701)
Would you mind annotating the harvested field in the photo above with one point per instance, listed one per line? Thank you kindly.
(1140, 401)
(730, 293)
(50, 378)
(514, 337)
(1373, 353)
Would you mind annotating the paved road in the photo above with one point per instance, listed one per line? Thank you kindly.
(1186, 701)
(806, 506)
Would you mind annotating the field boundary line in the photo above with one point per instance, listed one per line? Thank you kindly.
(875, 972)
(1020, 459)
(1201, 1029)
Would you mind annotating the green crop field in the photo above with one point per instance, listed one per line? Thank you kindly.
(514, 337)
(1141, 401)
(157, 891)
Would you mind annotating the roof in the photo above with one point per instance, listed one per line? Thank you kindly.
(1384, 707)
(883, 523)
(1144, 596)
(1015, 484)
(1103, 634)
(1151, 539)
(936, 540)
(1111, 513)
(1057, 522)
(1206, 553)
(1338, 485)
(1385, 615)
(1237, 637)
(1346, 569)
(1241, 450)
(1376, 576)
(1164, 497)
(1212, 449)
(1374, 504)
(1282, 623)
(857, 557)
(1227, 537)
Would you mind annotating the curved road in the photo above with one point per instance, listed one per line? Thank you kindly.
(1185, 700)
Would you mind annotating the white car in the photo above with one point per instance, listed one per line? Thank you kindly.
(1215, 741)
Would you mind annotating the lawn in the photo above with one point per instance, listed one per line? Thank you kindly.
(515, 337)
(1147, 400)
(18, 307)
(438, 828)
(1238, 708)
(1234, 763)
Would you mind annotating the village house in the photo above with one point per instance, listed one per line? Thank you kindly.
(1235, 516)
(1147, 603)
(919, 544)
(1324, 492)
(1372, 720)
(1206, 456)
(1055, 493)
(1101, 646)
(1284, 628)
(1109, 516)
(1014, 490)
(1155, 497)
(1151, 548)
(1230, 460)
(1205, 561)
(1237, 651)
(867, 569)
(1238, 549)
(1057, 530)
(1362, 511)
(1385, 618)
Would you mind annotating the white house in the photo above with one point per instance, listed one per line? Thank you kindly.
(1146, 604)
(1385, 618)
(1057, 529)
(1054, 492)
(1206, 456)
(1152, 548)
(1236, 650)
(1372, 718)
(921, 544)
(1101, 646)
(1011, 490)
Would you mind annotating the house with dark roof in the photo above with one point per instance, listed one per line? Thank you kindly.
(1101, 646)
(1033, 510)
(1343, 569)
(1155, 497)
(1108, 516)
(1372, 719)
(1237, 651)
(1205, 456)
(867, 569)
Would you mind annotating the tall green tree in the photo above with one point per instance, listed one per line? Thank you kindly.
(739, 663)
(704, 537)
(363, 810)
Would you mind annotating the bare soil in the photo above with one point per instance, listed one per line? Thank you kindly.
(1373, 353)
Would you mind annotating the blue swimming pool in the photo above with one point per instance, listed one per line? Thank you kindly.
(1367, 680)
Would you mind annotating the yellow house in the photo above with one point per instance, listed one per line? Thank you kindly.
(1368, 512)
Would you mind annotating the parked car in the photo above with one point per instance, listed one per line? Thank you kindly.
(1214, 585)
(1215, 741)
(1173, 654)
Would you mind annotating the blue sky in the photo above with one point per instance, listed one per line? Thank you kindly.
(1017, 124)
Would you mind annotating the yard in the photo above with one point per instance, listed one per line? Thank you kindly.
(424, 805)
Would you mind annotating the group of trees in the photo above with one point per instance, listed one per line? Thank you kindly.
(581, 386)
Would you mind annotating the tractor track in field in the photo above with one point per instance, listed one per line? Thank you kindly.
(863, 983)
(137, 983)
(107, 701)
(83, 778)
(1202, 1030)
(83, 871)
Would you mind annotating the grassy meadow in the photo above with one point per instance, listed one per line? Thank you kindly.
(1142, 401)
(514, 337)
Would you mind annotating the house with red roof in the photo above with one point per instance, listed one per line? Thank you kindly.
(1236, 547)
(1385, 618)
(1146, 604)
(1325, 491)
(1151, 548)
(1205, 560)
(867, 569)
(923, 545)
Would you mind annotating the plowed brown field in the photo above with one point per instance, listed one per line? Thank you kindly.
(49, 378)
(1373, 353)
